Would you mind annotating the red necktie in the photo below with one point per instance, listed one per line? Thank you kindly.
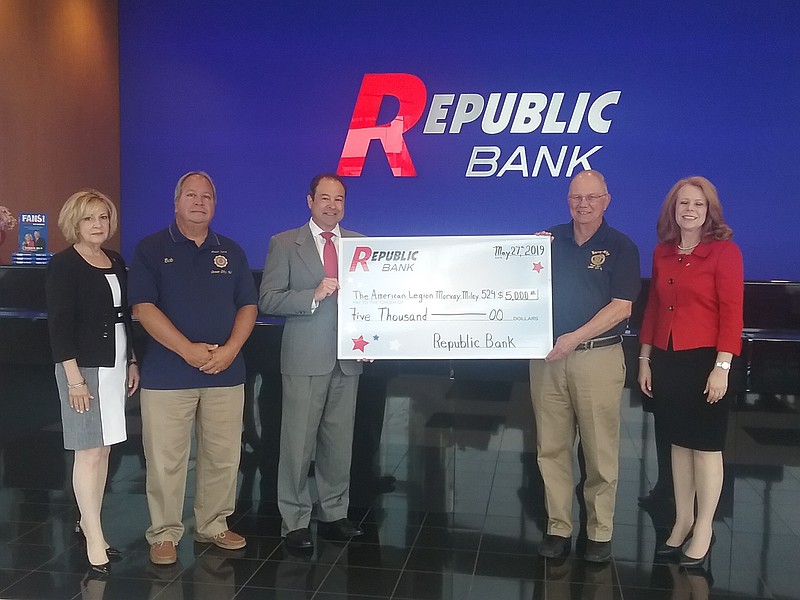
(329, 261)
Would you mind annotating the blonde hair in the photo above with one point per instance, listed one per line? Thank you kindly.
(77, 207)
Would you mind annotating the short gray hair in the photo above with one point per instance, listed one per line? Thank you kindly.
(190, 174)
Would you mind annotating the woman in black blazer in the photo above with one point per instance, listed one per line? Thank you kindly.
(90, 334)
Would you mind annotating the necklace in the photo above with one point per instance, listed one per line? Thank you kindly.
(688, 248)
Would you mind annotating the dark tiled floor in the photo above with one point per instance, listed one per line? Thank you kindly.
(462, 522)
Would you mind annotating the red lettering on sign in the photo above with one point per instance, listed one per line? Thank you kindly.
(411, 92)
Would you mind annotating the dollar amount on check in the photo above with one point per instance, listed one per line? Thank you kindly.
(445, 297)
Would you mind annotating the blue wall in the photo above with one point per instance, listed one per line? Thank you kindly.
(261, 95)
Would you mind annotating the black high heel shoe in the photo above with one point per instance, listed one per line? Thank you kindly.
(103, 569)
(688, 562)
(667, 551)
(111, 552)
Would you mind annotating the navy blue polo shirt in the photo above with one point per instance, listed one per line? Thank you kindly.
(199, 289)
(586, 278)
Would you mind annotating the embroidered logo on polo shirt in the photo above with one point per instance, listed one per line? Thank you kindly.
(168, 260)
(220, 261)
(598, 259)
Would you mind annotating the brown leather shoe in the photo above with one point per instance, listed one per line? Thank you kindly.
(227, 540)
(163, 553)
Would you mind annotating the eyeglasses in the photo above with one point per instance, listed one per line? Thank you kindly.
(590, 198)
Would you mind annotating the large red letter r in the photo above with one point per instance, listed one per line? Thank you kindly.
(411, 92)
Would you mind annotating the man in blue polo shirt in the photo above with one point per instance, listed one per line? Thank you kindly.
(577, 387)
(192, 290)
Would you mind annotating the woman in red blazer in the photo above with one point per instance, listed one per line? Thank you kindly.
(691, 331)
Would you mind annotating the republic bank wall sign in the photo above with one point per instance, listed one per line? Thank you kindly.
(450, 114)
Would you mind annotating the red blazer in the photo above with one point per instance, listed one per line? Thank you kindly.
(697, 298)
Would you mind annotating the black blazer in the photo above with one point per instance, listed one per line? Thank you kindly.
(80, 309)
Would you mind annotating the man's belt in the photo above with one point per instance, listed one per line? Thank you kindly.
(599, 342)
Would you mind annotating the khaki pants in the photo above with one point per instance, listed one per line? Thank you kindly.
(167, 419)
(579, 395)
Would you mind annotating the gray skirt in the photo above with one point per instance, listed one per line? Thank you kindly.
(104, 423)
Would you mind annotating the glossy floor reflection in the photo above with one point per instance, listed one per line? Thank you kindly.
(461, 521)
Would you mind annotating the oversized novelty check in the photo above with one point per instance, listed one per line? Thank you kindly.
(445, 297)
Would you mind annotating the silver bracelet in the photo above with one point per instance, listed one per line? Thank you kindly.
(647, 358)
(74, 386)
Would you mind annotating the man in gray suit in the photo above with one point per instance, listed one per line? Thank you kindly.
(319, 392)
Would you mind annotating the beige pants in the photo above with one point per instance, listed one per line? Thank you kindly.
(167, 419)
(579, 395)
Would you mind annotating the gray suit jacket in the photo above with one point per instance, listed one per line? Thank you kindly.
(292, 272)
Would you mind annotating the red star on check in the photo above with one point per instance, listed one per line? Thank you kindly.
(360, 343)
(537, 266)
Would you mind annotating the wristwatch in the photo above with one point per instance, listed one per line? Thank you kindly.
(724, 365)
